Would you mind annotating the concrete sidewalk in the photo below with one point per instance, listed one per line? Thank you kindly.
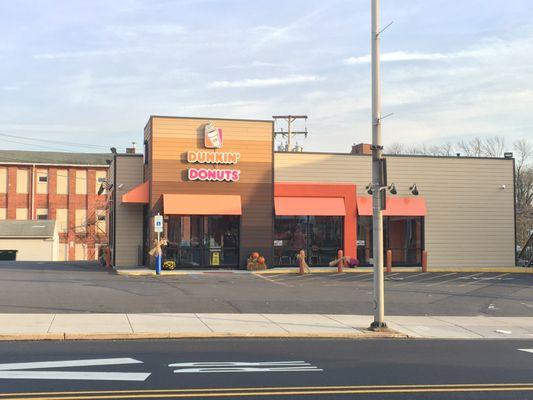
(164, 326)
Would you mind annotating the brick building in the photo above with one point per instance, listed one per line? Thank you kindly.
(58, 186)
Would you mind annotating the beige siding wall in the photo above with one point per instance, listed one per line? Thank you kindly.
(81, 182)
(80, 251)
(21, 213)
(3, 213)
(42, 187)
(3, 180)
(30, 249)
(81, 221)
(470, 221)
(100, 178)
(129, 217)
(62, 252)
(62, 220)
(23, 180)
(62, 181)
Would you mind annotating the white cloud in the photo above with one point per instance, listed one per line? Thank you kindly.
(254, 64)
(84, 53)
(133, 31)
(280, 81)
(401, 56)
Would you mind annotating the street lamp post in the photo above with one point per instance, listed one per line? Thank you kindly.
(377, 178)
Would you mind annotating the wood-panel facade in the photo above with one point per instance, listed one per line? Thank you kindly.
(168, 140)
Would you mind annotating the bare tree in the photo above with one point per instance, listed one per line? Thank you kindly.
(472, 147)
(523, 173)
(396, 148)
(493, 146)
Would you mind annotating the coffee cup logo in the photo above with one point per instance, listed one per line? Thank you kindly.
(213, 137)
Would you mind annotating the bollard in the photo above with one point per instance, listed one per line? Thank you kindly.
(389, 261)
(107, 257)
(301, 262)
(158, 262)
(424, 261)
(340, 257)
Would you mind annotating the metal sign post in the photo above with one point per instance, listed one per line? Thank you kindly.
(158, 227)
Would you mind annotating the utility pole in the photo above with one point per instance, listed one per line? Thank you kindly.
(290, 119)
(377, 178)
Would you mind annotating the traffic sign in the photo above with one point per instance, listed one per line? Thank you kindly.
(158, 223)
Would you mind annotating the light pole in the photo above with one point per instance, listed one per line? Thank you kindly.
(377, 178)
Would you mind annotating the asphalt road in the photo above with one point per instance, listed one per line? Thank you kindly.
(75, 288)
(279, 369)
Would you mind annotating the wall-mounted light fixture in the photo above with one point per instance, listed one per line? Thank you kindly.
(368, 188)
(413, 189)
(392, 188)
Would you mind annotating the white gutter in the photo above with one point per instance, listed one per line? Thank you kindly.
(32, 190)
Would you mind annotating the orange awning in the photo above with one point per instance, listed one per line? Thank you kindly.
(317, 206)
(140, 194)
(396, 206)
(201, 204)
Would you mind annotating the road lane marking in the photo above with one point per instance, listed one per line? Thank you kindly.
(526, 350)
(76, 375)
(68, 363)
(275, 391)
(455, 279)
(436, 276)
(243, 366)
(272, 280)
(26, 370)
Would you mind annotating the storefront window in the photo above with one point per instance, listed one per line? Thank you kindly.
(320, 237)
(364, 240)
(196, 241)
(404, 236)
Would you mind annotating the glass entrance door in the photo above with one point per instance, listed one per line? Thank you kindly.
(203, 241)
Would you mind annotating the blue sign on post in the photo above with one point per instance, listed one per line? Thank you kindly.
(158, 227)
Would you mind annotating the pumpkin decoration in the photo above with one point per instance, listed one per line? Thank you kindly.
(256, 262)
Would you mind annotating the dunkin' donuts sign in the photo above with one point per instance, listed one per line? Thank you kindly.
(213, 139)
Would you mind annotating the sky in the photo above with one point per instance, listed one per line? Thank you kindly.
(90, 73)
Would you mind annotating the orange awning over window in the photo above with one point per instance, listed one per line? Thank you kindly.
(140, 194)
(316, 206)
(201, 204)
(396, 206)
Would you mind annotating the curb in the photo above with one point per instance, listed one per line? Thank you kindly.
(332, 271)
(362, 334)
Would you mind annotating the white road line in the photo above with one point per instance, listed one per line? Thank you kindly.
(68, 363)
(246, 369)
(272, 280)
(526, 350)
(242, 366)
(22, 370)
(236, 363)
(455, 279)
(76, 375)
(436, 276)
(473, 280)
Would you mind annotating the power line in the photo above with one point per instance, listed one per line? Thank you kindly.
(59, 142)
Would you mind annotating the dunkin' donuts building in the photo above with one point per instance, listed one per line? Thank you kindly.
(224, 193)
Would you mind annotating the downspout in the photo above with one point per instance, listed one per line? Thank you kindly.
(32, 191)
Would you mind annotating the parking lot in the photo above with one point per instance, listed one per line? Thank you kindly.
(78, 287)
